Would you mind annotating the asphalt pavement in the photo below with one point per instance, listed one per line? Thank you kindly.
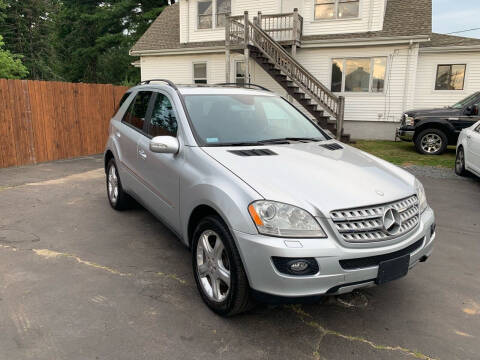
(81, 281)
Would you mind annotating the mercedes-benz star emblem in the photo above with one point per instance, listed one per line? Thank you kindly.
(392, 221)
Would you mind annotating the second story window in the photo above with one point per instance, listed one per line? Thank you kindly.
(336, 9)
(212, 13)
(359, 75)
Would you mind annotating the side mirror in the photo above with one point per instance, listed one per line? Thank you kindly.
(471, 110)
(164, 145)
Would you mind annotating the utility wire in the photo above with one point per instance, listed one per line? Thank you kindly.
(462, 31)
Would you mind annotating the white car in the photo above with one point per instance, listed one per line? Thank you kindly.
(468, 151)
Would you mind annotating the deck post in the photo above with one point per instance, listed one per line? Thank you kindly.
(340, 115)
(294, 32)
(259, 19)
(227, 50)
(246, 51)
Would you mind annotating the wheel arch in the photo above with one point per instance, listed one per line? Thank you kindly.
(444, 127)
(200, 212)
(107, 157)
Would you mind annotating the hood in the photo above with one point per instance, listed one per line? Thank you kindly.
(434, 112)
(318, 179)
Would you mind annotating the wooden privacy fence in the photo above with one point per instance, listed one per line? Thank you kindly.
(44, 121)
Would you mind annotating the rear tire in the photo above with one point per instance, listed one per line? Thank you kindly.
(218, 269)
(460, 162)
(431, 142)
(118, 198)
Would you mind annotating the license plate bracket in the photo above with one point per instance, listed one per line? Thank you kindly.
(393, 269)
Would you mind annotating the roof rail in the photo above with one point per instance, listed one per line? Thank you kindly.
(170, 83)
(244, 86)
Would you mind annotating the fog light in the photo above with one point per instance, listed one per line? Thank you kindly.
(298, 266)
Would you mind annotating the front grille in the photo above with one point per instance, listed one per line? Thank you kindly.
(363, 225)
(365, 262)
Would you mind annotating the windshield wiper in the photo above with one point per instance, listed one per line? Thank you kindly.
(265, 142)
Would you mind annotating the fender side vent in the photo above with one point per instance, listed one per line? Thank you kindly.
(332, 146)
(254, 152)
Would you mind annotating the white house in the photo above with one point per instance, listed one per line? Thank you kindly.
(379, 55)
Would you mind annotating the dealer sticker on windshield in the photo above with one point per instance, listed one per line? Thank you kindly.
(212, 140)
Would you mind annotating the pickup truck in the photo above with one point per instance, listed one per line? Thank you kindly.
(432, 130)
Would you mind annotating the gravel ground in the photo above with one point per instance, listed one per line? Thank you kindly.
(436, 173)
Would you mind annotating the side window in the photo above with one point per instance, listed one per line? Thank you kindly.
(163, 121)
(136, 113)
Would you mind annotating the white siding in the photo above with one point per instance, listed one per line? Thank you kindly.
(188, 18)
(370, 18)
(385, 107)
(179, 68)
(425, 94)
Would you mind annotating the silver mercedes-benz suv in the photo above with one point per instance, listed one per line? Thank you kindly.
(270, 205)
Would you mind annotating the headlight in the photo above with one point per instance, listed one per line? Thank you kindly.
(283, 220)
(409, 121)
(422, 198)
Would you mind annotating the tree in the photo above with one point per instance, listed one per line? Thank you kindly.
(94, 38)
(28, 28)
(11, 66)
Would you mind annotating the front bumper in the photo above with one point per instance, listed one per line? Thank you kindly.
(405, 134)
(257, 251)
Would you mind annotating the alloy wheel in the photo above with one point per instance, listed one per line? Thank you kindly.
(431, 143)
(460, 161)
(213, 266)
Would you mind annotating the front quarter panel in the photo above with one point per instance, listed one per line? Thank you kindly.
(207, 182)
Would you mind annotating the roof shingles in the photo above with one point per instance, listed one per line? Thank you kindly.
(402, 18)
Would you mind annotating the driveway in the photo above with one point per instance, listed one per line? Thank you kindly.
(81, 281)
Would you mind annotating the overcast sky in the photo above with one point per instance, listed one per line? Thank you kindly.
(456, 15)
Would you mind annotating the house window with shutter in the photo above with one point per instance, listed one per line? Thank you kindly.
(336, 9)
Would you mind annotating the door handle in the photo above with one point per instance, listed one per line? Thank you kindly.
(142, 154)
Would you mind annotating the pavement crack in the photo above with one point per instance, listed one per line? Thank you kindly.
(307, 319)
(49, 254)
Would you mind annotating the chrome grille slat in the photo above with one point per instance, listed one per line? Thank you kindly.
(364, 225)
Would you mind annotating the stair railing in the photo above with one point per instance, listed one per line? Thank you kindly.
(270, 48)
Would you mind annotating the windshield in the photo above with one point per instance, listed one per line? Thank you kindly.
(462, 103)
(221, 120)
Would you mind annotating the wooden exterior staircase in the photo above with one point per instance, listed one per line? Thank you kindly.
(265, 40)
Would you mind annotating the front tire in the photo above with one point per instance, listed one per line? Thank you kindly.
(118, 198)
(460, 163)
(218, 268)
(431, 142)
